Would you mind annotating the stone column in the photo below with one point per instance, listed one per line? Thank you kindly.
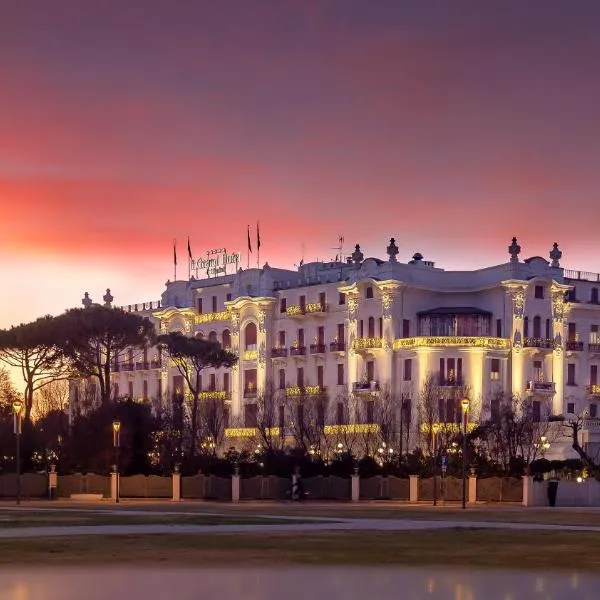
(355, 486)
(472, 489)
(413, 488)
(176, 484)
(560, 311)
(528, 496)
(113, 485)
(235, 485)
(52, 482)
(516, 293)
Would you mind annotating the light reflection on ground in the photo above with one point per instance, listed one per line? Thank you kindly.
(291, 583)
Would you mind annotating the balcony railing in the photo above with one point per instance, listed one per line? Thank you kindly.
(116, 367)
(574, 346)
(591, 424)
(595, 347)
(531, 342)
(213, 395)
(250, 393)
(317, 348)
(250, 354)
(337, 346)
(307, 390)
(367, 343)
(223, 315)
(542, 387)
(156, 364)
(299, 310)
(279, 352)
(452, 342)
(451, 382)
(298, 351)
(365, 386)
(142, 366)
(593, 389)
(126, 367)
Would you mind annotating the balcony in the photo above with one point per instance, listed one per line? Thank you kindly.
(365, 386)
(547, 343)
(214, 395)
(279, 352)
(449, 341)
(213, 317)
(156, 364)
(250, 392)
(574, 346)
(451, 382)
(116, 367)
(541, 387)
(142, 366)
(317, 348)
(595, 347)
(337, 346)
(308, 390)
(300, 310)
(298, 351)
(126, 367)
(368, 343)
(593, 389)
(250, 354)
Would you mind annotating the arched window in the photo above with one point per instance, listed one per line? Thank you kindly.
(250, 336)
(226, 340)
(212, 336)
(537, 327)
(371, 327)
(594, 296)
(199, 335)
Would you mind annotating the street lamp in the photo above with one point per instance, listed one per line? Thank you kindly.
(117, 444)
(464, 403)
(18, 419)
(434, 431)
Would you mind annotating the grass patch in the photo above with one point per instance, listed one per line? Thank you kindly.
(457, 547)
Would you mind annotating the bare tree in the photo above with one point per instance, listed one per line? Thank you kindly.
(306, 419)
(54, 396)
(213, 417)
(270, 435)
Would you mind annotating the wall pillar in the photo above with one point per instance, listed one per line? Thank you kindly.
(113, 485)
(472, 499)
(52, 482)
(528, 496)
(413, 494)
(176, 485)
(235, 488)
(355, 487)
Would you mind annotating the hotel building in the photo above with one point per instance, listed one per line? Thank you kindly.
(365, 327)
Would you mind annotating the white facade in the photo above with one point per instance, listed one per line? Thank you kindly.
(355, 328)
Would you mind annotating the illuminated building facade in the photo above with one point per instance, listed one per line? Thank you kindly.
(354, 331)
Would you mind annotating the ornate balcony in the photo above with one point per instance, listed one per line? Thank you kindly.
(249, 432)
(541, 387)
(546, 343)
(317, 348)
(308, 390)
(250, 354)
(279, 352)
(594, 347)
(352, 428)
(250, 392)
(300, 310)
(298, 351)
(593, 389)
(367, 343)
(365, 386)
(449, 341)
(142, 366)
(451, 382)
(574, 346)
(126, 367)
(156, 364)
(212, 317)
(337, 346)
(214, 395)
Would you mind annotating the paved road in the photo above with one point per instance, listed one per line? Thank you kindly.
(338, 525)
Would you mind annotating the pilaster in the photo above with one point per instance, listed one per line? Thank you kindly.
(560, 312)
(516, 295)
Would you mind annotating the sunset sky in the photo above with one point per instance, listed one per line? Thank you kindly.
(451, 126)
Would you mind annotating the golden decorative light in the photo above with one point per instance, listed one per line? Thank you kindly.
(367, 343)
(213, 395)
(17, 408)
(248, 432)
(446, 427)
(452, 342)
(351, 429)
(224, 315)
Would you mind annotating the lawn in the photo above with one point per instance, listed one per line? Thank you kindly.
(455, 547)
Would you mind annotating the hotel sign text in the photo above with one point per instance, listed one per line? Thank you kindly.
(215, 263)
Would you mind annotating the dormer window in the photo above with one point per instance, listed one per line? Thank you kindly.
(369, 292)
(539, 292)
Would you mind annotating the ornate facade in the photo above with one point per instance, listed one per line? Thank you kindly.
(359, 329)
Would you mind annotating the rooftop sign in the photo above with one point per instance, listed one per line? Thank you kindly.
(215, 263)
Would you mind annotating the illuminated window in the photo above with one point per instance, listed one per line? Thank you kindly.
(495, 371)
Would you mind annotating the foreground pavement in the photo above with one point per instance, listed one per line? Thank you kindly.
(346, 525)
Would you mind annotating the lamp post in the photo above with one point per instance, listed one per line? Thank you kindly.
(434, 431)
(18, 419)
(465, 411)
(117, 444)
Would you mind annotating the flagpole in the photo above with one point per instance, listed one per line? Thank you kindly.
(175, 259)
(249, 249)
(257, 245)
